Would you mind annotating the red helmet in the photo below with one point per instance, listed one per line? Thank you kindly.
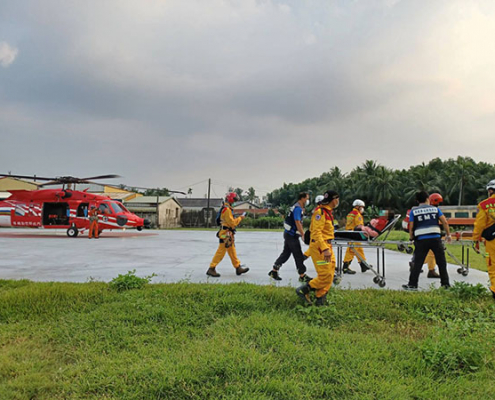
(436, 199)
(231, 197)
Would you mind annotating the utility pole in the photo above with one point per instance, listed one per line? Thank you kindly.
(157, 209)
(208, 205)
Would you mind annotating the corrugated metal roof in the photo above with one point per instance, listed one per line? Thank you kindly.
(141, 209)
(150, 199)
(200, 203)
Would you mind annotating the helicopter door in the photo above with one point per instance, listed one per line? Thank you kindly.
(56, 214)
(82, 210)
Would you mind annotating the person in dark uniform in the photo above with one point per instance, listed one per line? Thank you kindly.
(293, 232)
(424, 229)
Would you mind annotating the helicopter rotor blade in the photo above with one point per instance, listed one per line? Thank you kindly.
(100, 177)
(147, 188)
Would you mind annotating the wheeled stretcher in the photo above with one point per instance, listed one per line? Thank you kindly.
(351, 239)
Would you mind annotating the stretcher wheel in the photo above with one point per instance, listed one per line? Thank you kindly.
(465, 273)
(382, 283)
(376, 279)
(459, 270)
(401, 247)
(409, 250)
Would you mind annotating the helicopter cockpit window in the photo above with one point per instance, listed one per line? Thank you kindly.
(117, 208)
(104, 209)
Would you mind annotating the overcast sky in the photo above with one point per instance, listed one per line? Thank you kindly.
(248, 93)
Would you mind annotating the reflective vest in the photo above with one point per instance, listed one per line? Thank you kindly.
(426, 220)
(290, 223)
(354, 218)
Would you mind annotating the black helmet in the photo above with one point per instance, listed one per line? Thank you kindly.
(329, 196)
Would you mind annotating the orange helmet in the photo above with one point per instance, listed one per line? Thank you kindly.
(231, 197)
(436, 199)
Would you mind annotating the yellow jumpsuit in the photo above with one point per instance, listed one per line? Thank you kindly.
(227, 220)
(484, 219)
(322, 231)
(354, 218)
(430, 260)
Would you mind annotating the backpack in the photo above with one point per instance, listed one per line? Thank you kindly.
(218, 219)
(307, 234)
(489, 233)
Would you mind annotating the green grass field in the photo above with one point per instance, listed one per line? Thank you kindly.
(240, 341)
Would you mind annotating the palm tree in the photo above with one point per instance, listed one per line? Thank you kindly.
(251, 194)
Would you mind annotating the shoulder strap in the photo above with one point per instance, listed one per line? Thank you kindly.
(327, 213)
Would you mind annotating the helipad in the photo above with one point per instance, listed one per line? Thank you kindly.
(174, 255)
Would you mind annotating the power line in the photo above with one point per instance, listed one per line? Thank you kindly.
(230, 184)
(194, 184)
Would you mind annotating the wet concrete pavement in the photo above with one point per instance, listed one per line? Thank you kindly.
(175, 255)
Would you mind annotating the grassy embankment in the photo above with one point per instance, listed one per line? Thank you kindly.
(240, 341)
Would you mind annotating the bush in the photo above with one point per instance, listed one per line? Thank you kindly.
(467, 291)
(129, 281)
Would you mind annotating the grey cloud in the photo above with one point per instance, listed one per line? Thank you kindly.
(174, 86)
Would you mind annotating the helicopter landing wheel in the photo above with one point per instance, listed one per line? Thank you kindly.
(72, 231)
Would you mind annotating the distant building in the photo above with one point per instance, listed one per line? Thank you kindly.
(7, 183)
(256, 212)
(199, 204)
(163, 212)
(460, 215)
(195, 211)
(245, 205)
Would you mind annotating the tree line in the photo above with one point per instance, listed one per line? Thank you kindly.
(460, 181)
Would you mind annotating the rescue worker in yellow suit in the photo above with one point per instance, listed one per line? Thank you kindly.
(226, 236)
(355, 218)
(93, 222)
(320, 250)
(484, 227)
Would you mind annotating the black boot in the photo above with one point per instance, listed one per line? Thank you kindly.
(321, 301)
(303, 293)
(274, 275)
(364, 266)
(305, 278)
(347, 270)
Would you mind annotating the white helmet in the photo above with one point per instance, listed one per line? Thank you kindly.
(319, 198)
(491, 185)
(358, 203)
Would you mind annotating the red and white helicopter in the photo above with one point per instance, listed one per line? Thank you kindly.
(64, 208)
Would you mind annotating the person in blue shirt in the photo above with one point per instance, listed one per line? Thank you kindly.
(424, 229)
(293, 232)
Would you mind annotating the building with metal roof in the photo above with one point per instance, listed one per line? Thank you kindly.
(162, 211)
